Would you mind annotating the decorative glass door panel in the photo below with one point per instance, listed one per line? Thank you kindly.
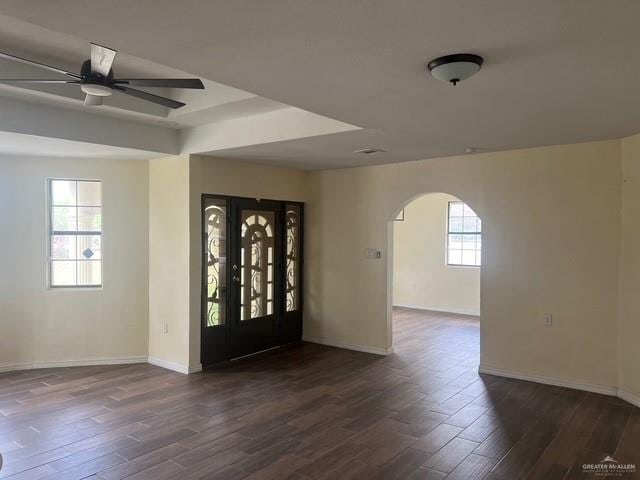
(216, 262)
(256, 255)
(256, 264)
(292, 270)
(215, 280)
(291, 325)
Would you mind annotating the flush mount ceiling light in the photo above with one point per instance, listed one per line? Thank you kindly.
(455, 68)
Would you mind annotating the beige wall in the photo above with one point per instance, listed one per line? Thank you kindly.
(45, 326)
(421, 276)
(551, 219)
(629, 329)
(554, 241)
(169, 262)
(229, 177)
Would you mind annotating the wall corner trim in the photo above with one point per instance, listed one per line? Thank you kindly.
(195, 368)
(176, 367)
(348, 346)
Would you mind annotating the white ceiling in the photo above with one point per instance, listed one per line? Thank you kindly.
(217, 117)
(555, 71)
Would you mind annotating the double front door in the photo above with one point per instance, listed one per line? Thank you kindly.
(252, 276)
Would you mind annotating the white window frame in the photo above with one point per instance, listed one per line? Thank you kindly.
(449, 233)
(51, 233)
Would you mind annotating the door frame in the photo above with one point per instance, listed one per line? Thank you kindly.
(284, 336)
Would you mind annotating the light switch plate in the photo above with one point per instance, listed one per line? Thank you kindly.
(372, 253)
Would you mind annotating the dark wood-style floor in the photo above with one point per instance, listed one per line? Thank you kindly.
(312, 412)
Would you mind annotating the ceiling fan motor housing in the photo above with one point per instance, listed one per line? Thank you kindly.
(94, 83)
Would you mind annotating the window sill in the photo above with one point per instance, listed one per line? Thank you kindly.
(76, 288)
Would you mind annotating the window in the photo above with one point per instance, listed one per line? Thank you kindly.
(75, 233)
(464, 236)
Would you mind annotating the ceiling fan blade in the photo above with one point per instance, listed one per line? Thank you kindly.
(102, 59)
(162, 82)
(93, 100)
(149, 97)
(36, 80)
(37, 64)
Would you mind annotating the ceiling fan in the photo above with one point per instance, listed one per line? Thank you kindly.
(96, 79)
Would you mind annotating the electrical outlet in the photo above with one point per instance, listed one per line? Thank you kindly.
(166, 328)
(548, 320)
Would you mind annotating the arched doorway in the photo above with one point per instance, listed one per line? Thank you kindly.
(433, 284)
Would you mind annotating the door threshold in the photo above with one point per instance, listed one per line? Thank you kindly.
(255, 353)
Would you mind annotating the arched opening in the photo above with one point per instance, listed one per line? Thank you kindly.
(433, 283)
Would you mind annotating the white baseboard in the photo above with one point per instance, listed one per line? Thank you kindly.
(558, 382)
(10, 367)
(348, 346)
(629, 397)
(176, 367)
(84, 362)
(195, 368)
(429, 309)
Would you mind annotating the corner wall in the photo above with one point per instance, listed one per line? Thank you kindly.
(169, 263)
(629, 328)
(551, 219)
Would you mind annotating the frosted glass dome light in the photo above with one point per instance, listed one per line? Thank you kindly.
(455, 68)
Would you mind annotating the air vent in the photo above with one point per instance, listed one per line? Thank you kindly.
(370, 151)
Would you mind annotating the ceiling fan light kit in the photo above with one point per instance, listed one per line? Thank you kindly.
(96, 79)
(455, 68)
(95, 89)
